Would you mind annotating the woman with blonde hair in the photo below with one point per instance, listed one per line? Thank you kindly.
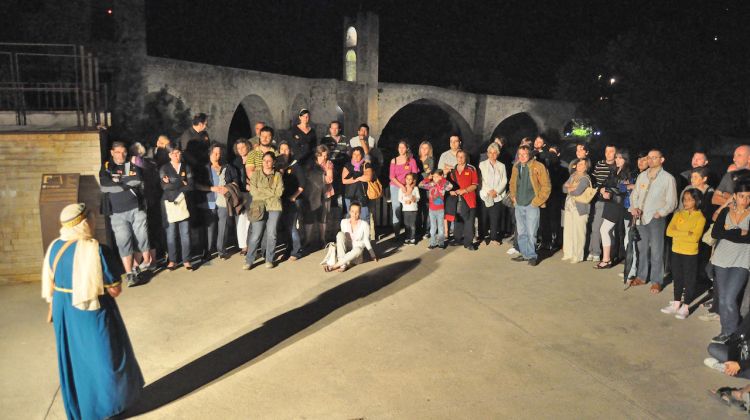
(426, 164)
(99, 375)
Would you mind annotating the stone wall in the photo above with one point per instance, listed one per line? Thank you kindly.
(24, 156)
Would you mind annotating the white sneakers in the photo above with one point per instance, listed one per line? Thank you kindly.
(714, 364)
(511, 251)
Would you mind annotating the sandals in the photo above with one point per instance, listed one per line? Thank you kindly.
(724, 394)
(655, 289)
(604, 265)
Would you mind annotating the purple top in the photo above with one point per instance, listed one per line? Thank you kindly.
(399, 171)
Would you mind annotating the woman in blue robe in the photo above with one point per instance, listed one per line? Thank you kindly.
(99, 375)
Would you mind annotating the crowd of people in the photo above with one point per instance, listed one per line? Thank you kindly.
(685, 229)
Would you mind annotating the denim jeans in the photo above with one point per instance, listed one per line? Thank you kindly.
(395, 209)
(437, 233)
(184, 227)
(651, 251)
(217, 221)
(292, 214)
(720, 352)
(730, 282)
(527, 223)
(256, 234)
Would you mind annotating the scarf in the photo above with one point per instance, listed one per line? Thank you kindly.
(87, 269)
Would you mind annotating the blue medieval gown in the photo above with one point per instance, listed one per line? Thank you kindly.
(99, 376)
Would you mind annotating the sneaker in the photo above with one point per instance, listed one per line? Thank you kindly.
(594, 258)
(670, 309)
(518, 258)
(511, 251)
(426, 236)
(269, 265)
(131, 279)
(709, 317)
(683, 312)
(470, 248)
(720, 339)
(431, 246)
(714, 364)
(246, 266)
(533, 262)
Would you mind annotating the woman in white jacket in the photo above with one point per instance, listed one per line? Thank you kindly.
(494, 183)
(352, 241)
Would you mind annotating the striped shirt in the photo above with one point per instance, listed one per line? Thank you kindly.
(602, 172)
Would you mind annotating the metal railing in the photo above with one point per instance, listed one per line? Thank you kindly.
(51, 77)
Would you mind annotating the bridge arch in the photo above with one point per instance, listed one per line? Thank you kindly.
(425, 119)
(515, 127)
(249, 111)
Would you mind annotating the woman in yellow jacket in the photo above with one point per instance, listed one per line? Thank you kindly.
(685, 229)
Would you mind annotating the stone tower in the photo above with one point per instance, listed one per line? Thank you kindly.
(361, 37)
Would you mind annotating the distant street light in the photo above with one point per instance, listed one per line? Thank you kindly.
(612, 81)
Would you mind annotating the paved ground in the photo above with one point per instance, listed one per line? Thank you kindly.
(438, 334)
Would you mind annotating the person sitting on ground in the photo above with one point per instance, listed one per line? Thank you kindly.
(576, 213)
(686, 230)
(352, 240)
(732, 359)
(409, 199)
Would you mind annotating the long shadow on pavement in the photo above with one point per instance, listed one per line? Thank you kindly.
(244, 349)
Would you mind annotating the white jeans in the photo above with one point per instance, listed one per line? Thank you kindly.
(243, 227)
(344, 257)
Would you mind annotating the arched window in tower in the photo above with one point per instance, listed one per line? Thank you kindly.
(351, 37)
(351, 66)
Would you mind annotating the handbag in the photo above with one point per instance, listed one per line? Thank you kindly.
(374, 189)
(707, 238)
(586, 196)
(507, 201)
(257, 212)
(330, 258)
(177, 210)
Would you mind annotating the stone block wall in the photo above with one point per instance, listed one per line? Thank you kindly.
(24, 157)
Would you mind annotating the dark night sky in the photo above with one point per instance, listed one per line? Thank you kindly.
(509, 47)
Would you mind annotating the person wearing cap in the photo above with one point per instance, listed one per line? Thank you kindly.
(99, 374)
(304, 138)
(121, 183)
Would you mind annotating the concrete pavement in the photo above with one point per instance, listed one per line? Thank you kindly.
(420, 334)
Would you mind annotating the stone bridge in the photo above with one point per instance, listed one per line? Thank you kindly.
(222, 92)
